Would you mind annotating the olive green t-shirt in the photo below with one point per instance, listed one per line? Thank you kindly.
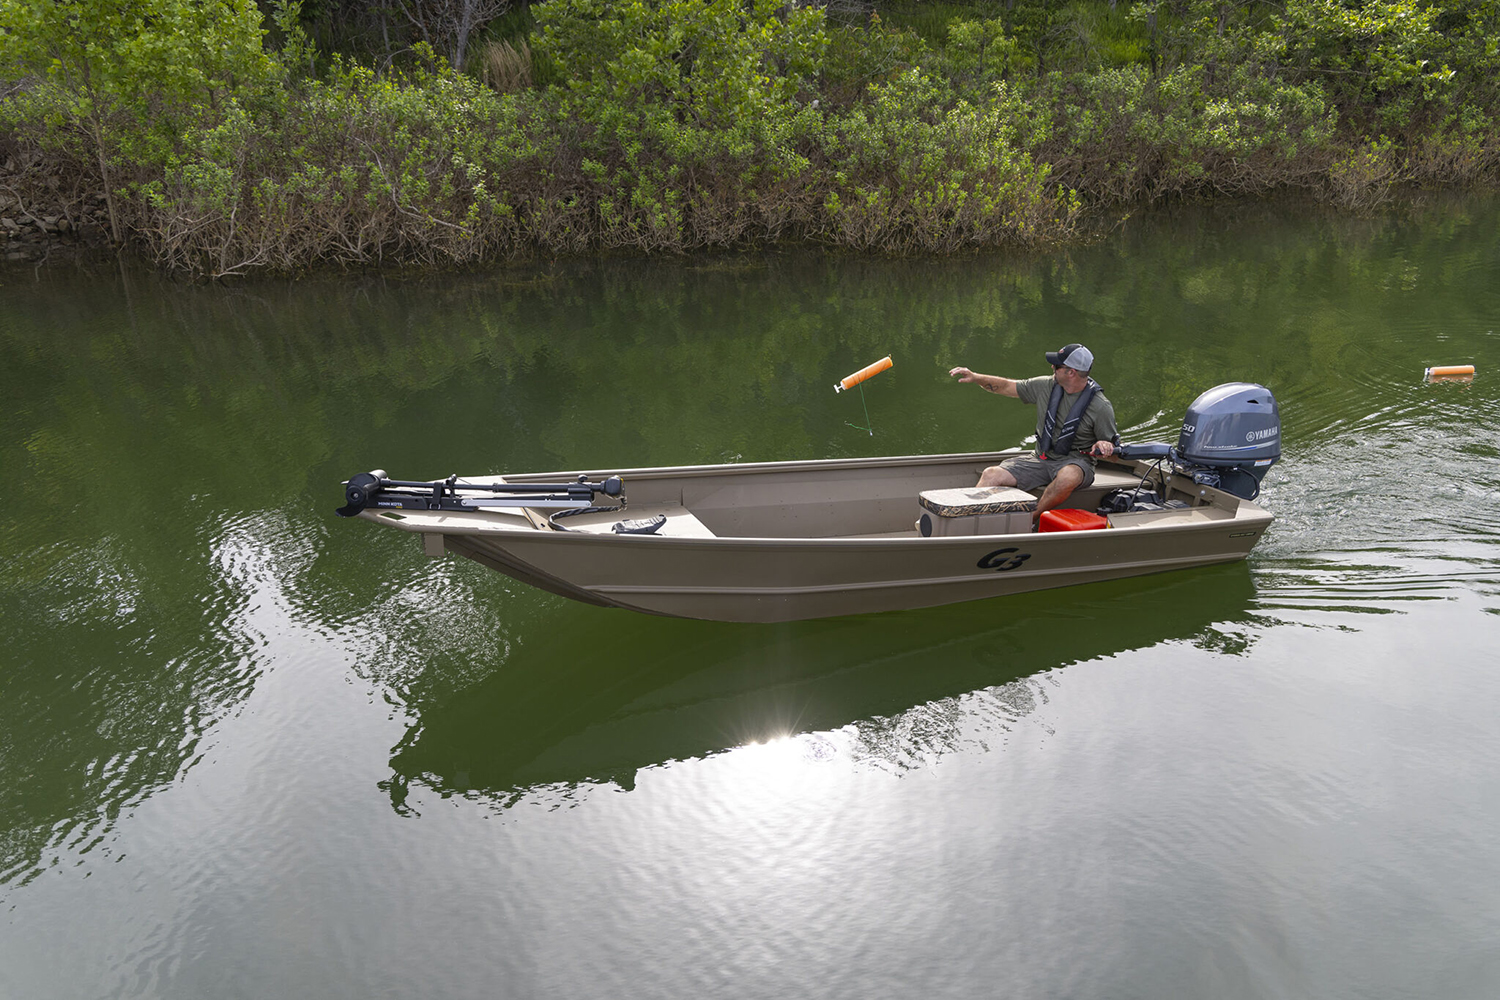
(1098, 423)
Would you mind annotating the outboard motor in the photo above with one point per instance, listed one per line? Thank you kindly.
(1230, 437)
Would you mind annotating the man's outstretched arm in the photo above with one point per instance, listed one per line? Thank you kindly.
(989, 383)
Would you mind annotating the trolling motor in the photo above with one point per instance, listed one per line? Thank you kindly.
(373, 489)
(1231, 436)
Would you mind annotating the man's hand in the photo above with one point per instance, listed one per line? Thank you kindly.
(963, 374)
(1102, 449)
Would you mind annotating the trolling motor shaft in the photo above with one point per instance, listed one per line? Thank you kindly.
(374, 489)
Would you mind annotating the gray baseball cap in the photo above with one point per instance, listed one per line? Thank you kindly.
(1075, 356)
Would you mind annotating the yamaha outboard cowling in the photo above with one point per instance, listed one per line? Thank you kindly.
(1230, 437)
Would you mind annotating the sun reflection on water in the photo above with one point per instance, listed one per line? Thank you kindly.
(782, 766)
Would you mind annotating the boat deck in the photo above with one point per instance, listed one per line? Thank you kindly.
(681, 522)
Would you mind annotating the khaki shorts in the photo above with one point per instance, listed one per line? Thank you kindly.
(1033, 473)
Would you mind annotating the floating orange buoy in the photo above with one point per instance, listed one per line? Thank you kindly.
(850, 381)
(1442, 370)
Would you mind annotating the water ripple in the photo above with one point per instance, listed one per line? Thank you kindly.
(140, 682)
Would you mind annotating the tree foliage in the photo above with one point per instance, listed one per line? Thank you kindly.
(674, 124)
(710, 62)
(122, 81)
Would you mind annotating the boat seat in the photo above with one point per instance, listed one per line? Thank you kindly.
(976, 510)
(1106, 478)
(1112, 477)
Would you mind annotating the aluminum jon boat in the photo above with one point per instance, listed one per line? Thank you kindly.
(784, 541)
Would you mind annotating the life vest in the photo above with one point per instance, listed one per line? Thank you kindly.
(1063, 442)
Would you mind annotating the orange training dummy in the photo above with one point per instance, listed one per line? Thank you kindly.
(850, 381)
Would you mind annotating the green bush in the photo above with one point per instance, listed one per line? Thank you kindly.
(428, 167)
(1127, 133)
(668, 125)
(908, 176)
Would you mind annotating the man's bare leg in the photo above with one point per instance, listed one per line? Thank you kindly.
(1068, 479)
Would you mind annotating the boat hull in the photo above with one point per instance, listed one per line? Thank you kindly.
(724, 581)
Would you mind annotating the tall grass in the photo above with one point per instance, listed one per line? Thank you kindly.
(505, 66)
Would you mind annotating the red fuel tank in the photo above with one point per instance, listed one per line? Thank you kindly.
(1068, 519)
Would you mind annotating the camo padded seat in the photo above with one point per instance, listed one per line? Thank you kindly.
(976, 500)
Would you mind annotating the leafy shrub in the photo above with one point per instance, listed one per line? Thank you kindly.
(1125, 134)
(667, 125)
(860, 55)
(1362, 178)
(907, 176)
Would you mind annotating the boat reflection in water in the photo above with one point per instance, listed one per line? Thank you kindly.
(605, 694)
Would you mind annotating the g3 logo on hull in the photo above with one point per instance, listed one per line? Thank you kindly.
(1003, 559)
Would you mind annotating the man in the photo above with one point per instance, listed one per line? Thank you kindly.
(1074, 424)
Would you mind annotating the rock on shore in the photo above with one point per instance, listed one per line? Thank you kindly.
(38, 214)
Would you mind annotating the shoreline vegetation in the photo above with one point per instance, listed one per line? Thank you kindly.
(221, 138)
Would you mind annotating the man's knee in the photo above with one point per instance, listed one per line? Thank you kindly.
(996, 475)
(1069, 477)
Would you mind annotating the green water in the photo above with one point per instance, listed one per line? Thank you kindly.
(248, 749)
